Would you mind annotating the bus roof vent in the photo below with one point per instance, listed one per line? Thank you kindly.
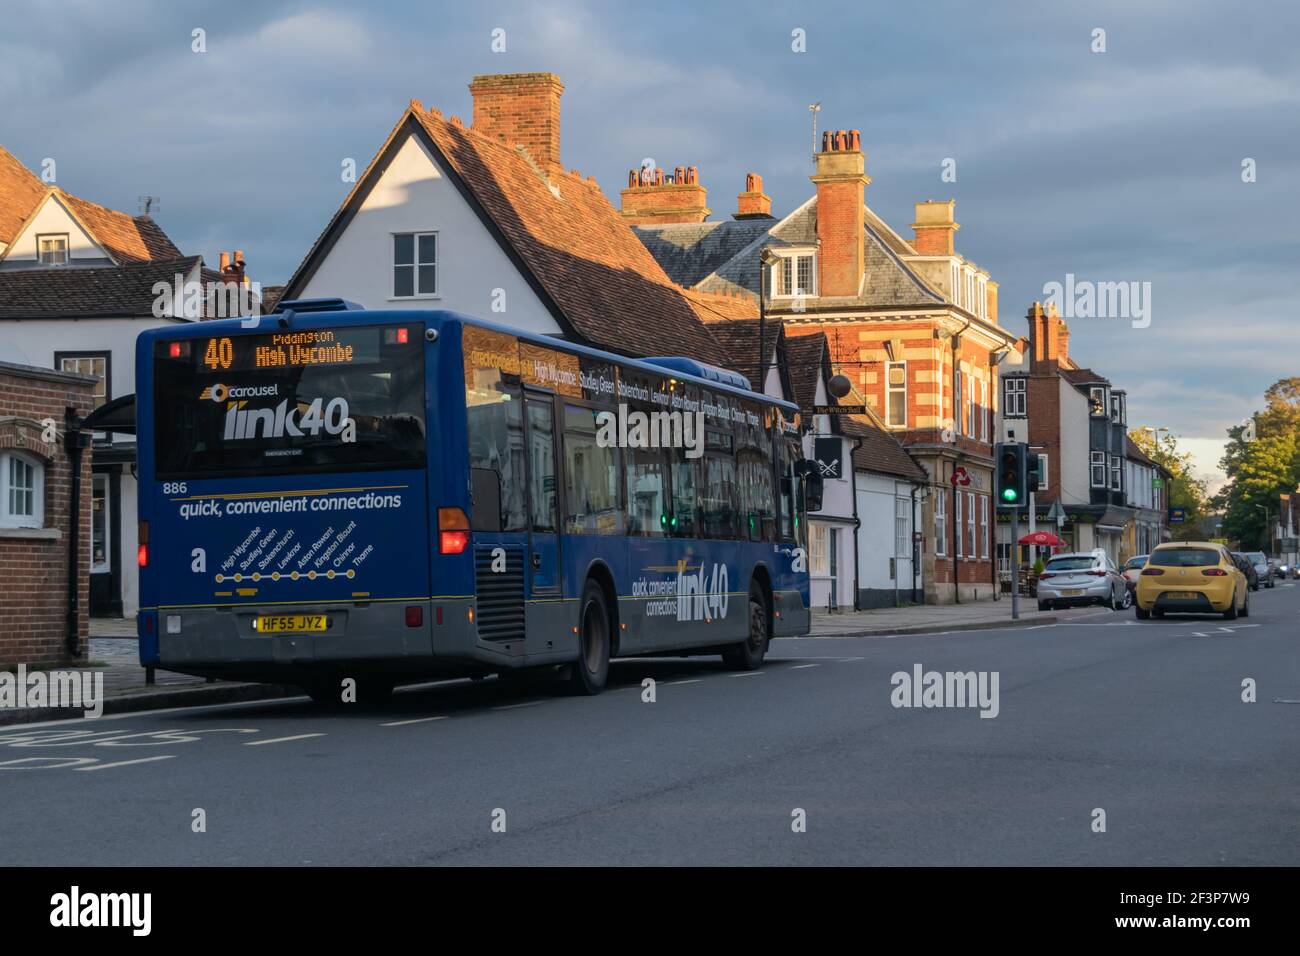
(317, 305)
(689, 366)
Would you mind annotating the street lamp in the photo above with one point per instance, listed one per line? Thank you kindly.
(1264, 508)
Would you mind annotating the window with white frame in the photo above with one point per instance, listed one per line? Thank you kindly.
(984, 410)
(896, 393)
(1013, 397)
(984, 526)
(1042, 473)
(819, 561)
(795, 274)
(902, 528)
(982, 299)
(957, 531)
(1116, 473)
(415, 264)
(1097, 470)
(1097, 400)
(958, 405)
(941, 521)
(52, 250)
(95, 364)
(970, 405)
(22, 491)
(970, 523)
(954, 279)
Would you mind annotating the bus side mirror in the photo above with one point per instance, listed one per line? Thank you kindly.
(813, 488)
(485, 495)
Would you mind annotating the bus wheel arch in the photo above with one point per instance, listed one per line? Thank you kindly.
(599, 572)
(761, 575)
(749, 653)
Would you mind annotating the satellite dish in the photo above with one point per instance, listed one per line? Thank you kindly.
(839, 386)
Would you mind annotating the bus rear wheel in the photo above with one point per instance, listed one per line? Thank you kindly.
(749, 653)
(590, 671)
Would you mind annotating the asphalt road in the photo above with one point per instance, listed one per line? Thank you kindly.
(1142, 720)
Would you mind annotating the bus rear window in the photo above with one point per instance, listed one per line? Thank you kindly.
(292, 402)
(1183, 557)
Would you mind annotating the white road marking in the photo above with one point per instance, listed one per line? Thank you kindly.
(280, 740)
(692, 680)
(417, 720)
(747, 674)
(127, 763)
(1284, 700)
(799, 667)
(527, 703)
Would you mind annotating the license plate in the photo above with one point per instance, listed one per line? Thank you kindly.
(1072, 592)
(290, 623)
(1182, 595)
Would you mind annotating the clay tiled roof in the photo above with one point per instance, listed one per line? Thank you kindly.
(83, 293)
(20, 191)
(127, 238)
(562, 233)
(880, 451)
(809, 362)
(1083, 376)
(738, 341)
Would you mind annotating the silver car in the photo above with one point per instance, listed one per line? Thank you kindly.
(1082, 578)
(1260, 561)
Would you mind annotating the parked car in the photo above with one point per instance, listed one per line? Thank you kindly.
(1274, 568)
(1082, 578)
(1132, 568)
(1193, 576)
(1260, 560)
(1247, 567)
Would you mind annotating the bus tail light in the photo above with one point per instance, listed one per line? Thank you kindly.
(453, 531)
(414, 615)
(142, 552)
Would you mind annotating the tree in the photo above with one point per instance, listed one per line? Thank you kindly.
(1185, 490)
(1261, 462)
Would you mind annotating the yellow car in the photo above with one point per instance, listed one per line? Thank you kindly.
(1192, 576)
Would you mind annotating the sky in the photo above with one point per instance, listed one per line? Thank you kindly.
(1115, 165)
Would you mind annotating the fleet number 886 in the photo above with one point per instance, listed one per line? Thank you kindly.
(173, 487)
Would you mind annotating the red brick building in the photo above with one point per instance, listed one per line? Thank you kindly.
(37, 616)
(912, 323)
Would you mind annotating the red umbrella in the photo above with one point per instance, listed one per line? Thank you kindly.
(1043, 538)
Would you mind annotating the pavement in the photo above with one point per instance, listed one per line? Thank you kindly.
(1115, 742)
(114, 653)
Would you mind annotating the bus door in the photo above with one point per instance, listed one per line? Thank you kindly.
(543, 557)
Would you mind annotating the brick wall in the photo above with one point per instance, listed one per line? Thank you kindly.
(34, 562)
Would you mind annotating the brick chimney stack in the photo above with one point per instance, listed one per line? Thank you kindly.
(1049, 339)
(651, 198)
(840, 178)
(522, 109)
(753, 203)
(935, 228)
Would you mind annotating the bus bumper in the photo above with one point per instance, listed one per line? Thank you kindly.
(399, 637)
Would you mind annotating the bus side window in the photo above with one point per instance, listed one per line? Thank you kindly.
(684, 504)
(647, 491)
(496, 454)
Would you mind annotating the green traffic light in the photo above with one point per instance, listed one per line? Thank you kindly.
(1009, 494)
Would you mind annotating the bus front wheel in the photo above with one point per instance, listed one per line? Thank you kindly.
(591, 669)
(749, 653)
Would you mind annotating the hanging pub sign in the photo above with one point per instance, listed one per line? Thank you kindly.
(828, 452)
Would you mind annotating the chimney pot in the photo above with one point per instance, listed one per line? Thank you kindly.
(225, 261)
(679, 175)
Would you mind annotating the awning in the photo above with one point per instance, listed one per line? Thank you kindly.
(115, 416)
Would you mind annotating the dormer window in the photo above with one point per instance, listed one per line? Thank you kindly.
(795, 274)
(52, 250)
(1097, 400)
(1118, 409)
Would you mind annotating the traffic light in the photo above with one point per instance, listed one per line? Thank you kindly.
(1012, 475)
